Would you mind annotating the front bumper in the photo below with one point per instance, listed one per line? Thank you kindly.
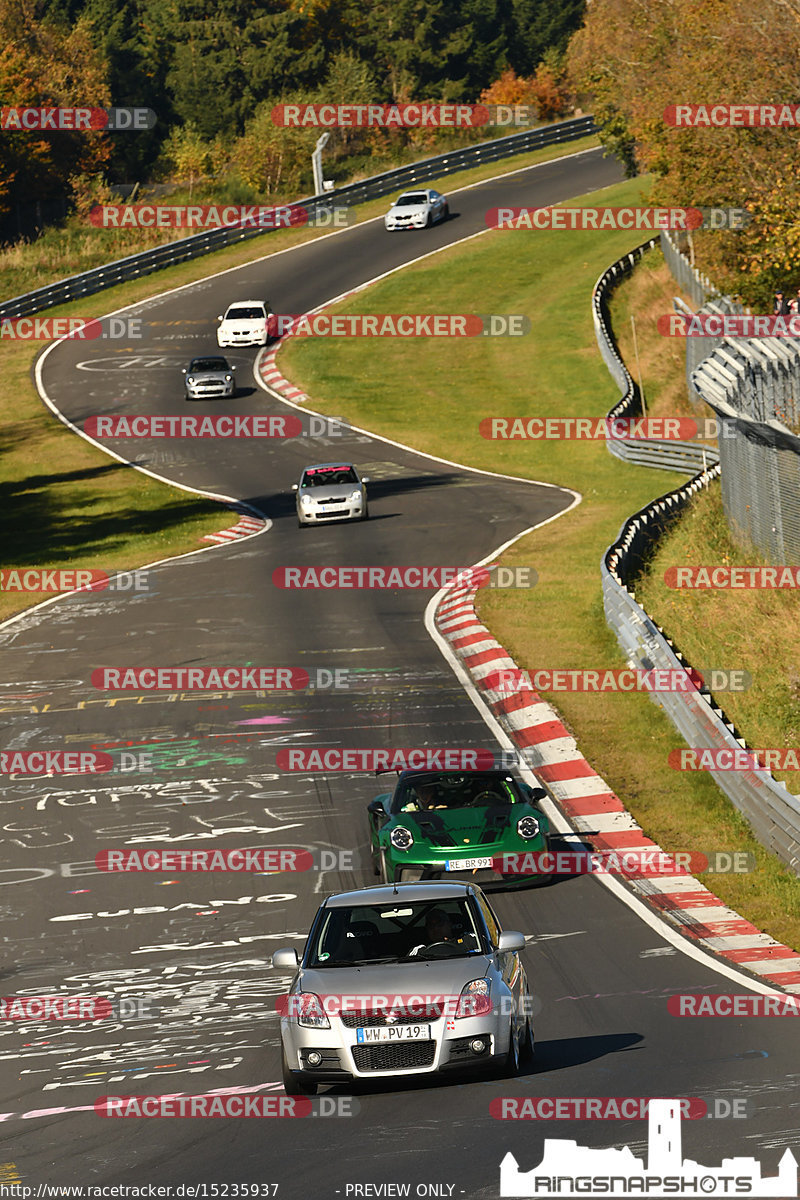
(201, 391)
(242, 339)
(405, 870)
(412, 223)
(448, 1049)
(339, 512)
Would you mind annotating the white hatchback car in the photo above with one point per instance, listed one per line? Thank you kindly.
(415, 210)
(246, 323)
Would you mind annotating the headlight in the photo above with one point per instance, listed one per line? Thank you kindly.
(474, 1000)
(401, 838)
(307, 1007)
(228, 378)
(190, 378)
(527, 827)
(355, 495)
(305, 500)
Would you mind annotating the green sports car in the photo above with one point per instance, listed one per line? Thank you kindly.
(458, 825)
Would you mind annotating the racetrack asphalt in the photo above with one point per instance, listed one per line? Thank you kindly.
(199, 946)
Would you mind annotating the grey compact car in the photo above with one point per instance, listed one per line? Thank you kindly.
(209, 376)
(405, 980)
(331, 492)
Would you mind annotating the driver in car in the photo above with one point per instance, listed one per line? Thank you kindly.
(438, 928)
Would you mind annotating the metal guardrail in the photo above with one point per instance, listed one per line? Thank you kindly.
(667, 455)
(772, 811)
(183, 249)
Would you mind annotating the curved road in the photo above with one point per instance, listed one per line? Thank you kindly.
(197, 948)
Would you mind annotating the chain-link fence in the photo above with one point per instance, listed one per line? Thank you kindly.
(772, 811)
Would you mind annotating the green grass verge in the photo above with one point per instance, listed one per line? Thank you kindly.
(433, 395)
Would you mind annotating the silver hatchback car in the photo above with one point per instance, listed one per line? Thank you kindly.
(331, 492)
(405, 980)
(210, 376)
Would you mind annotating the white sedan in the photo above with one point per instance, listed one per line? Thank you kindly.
(415, 210)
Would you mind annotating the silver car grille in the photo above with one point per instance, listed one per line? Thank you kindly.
(400, 1057)
(377, 1017)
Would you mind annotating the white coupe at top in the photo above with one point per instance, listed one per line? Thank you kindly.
(416, 209)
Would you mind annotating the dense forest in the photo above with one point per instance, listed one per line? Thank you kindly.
(213, 69)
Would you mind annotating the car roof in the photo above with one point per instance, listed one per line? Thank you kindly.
(263, 303)
(402, 891)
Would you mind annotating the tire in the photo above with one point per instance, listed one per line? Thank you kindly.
(446, 213)
(429, 221)
(365, 513)
(293, 1084)
(511, 1062)
(384, 874)
(527, 1051)
(300, 524)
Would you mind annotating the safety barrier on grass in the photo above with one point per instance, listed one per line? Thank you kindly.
(124, 269)
(772, 811)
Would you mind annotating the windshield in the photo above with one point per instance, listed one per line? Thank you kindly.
(246, 312)
(389, 933)
(209, 364)
(412, 198)
(441, 790)
(328, 476)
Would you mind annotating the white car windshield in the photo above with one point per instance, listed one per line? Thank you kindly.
(245, 313)
(328, 477)
(384, 933)
(412, 198)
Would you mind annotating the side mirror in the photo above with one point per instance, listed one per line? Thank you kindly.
(220, 317)
(377, 809)
(535, 795)
(285, 960)
(295, 486)
(365, 478)
(184, 369)
(508, 941)
(232, 367)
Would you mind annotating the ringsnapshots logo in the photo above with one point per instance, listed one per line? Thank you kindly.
(80, 329)
(215, 216)
(222, 1104)
(86, 120)
(510, 681)
(568, 1169)
(399, 578)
